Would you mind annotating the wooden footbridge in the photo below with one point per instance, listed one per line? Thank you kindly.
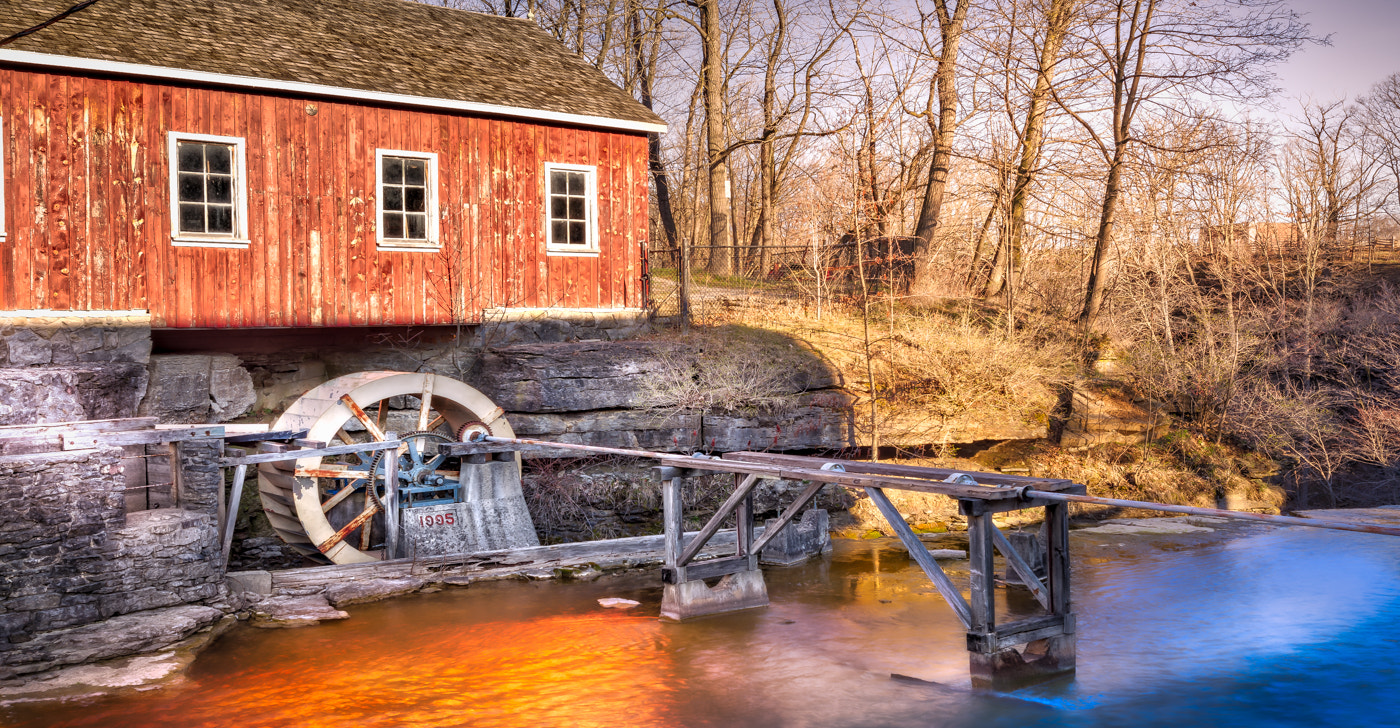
(999, 654)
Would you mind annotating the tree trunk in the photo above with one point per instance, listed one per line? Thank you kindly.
(646, 68)
(1033, 136)
(945, 88)
(1098, 268)
(712, 76)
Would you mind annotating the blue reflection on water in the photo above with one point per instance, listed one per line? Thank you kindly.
(1280, 627)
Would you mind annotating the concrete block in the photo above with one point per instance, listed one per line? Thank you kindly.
(800, 540)
(691, 599)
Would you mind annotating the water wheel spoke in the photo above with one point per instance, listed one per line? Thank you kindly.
(346, 439)
(339, 496)
(435, 423)
(364, 419)
(371, 507)
(364, 534)
(330, 470)
(415, 456)
(426, 404)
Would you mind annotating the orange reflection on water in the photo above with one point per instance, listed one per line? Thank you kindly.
(568, 670)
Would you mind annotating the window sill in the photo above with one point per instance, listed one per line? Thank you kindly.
(234, 243)
(409, 246)
(572, 252)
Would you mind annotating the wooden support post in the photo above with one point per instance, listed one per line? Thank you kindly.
(920, 554)
(981, 571)
(391, 505)
(673, 517)
(231, 512)
(744, 524)
(1057, 557)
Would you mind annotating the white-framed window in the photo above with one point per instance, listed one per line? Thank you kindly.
(571, 209)
(407, 192)
(208, 190)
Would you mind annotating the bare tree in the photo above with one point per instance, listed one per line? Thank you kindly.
(1155, 52)
(943, 91)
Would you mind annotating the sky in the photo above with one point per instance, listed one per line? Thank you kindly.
(1365, 49)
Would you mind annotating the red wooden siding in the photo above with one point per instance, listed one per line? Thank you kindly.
(88, 210)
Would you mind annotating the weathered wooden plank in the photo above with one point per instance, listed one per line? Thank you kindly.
(673, 515)
(1020, 633)
(981, 573)
(906, 471)
(707, 569)
(251, 437)
(111, 425)
(273, 457)
(86, 440)
(922, 557)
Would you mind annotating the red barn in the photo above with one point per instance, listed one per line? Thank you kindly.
(311, 163)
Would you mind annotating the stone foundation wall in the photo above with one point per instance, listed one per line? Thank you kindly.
(70, 556)
(61, 367)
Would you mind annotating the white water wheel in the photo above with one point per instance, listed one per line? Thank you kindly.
(327, 509)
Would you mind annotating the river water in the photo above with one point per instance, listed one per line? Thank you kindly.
(1241, 626)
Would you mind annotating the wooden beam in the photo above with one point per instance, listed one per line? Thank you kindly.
(922, 557)
(1013, 558)
(87, 440)
(744, 488)
(673, 518)
(273, 457)
(1020, 633)
(902, 471)
(112, 425)
(250, 437)
(1057, 550)
(707, 569)
(231, 513)
(981, 574)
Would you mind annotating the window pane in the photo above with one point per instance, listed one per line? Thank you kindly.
(417, 227)
(393, 225)
(576, 186)
(191, 218)
(559, 183)
(393, 198)
(393, 170)
(560, 231)
(221, 219)
(415, 171)
(576, 209)
(415, 199)
(576, 234)
(191, 156)
(220, 158)
(191, 187)
(559, 207)
(220, 189)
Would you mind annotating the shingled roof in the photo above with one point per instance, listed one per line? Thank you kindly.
(380, 46)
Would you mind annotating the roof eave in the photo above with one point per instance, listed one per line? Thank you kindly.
(48, 60)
